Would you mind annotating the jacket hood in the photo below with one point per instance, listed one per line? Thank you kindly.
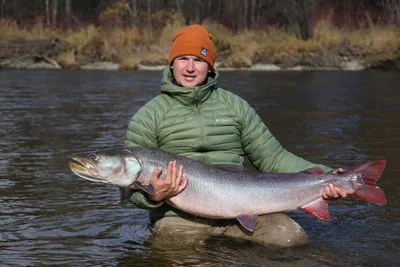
(188, 95)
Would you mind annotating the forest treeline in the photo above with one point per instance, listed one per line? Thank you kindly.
(286, 33)
(234, 14)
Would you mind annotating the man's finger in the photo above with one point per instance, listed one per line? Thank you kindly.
(173, 174)
(341, 192)
(169, 173)
(327, 192)
(333, 191)
(179, 177)
(183, 185)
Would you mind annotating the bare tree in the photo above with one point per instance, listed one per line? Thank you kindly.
(3, 8)
(303, 19)
(133, 11)
(245, 22)
(195, 11)
(67, 12)
(392, 7)
(298, 14)
(178, 5)
(149, 14)
(54, 12)
(47, 4)
(235, 14)
(253, 12)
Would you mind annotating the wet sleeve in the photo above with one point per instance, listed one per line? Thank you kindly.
(263, 149)
(140, 200)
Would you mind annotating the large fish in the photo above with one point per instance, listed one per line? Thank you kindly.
(216, 192)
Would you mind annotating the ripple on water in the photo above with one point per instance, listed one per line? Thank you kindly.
(5, 183)
(48, 216)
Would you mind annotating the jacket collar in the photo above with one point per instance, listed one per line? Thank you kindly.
(188, 95)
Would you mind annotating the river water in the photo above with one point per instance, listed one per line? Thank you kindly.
(49, 216)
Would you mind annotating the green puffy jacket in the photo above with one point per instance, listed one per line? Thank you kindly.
(208, 124)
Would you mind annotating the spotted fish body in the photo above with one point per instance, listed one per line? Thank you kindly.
(221, 193)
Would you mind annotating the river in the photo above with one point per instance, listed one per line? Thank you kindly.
(49, 216)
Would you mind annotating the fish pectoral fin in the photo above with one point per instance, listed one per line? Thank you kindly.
(248, 221)
(149, 189)
(318, 208)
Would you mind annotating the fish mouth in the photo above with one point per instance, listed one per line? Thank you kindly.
(84, 170)
(76, 164)
(75, 161)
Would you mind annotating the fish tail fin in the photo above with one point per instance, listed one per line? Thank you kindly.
(370, 173)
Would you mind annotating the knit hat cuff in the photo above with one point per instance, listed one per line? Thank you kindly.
(192, 48)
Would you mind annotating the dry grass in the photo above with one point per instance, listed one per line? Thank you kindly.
(376, 44)
(327, 35)
(9, 30)
(273, 45)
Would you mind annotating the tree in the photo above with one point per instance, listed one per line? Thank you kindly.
(149, 14)
(67, 12)
(54, 12)
(3, 8)
(47, 12)
(298, 15)
(195, 11)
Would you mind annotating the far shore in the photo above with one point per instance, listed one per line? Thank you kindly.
(269, 49)
(353, 65)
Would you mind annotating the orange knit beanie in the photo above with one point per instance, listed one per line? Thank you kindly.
(193, 40)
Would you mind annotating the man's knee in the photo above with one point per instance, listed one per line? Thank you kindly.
(275, 229)
(178, 228)
(281, 230)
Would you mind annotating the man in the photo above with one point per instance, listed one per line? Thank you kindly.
(193, 117)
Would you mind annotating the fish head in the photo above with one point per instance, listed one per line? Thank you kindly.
(117, 167)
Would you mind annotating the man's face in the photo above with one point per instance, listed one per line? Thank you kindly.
(190, 71)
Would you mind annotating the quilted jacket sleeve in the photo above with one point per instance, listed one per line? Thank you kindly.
(142, 131)
(263, 149)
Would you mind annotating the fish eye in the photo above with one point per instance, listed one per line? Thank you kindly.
(93, 157)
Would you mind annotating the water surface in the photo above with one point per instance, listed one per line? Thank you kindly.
(51, 217)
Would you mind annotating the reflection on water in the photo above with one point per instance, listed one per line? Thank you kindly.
(49, 216)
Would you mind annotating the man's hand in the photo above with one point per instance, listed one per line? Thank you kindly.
(172, 185)
(332, 192)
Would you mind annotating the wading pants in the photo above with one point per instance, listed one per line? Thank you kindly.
(275, 229)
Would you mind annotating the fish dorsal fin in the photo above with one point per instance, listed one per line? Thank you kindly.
(318, 208)
(314, 171)
(248, 221)
(149, 189)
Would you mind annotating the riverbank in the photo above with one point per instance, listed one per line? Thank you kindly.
(269, 49)
(41, 62)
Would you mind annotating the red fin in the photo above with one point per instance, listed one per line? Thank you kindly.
(314, 171)
(248, 221)
(318, 208)
(370, 173)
